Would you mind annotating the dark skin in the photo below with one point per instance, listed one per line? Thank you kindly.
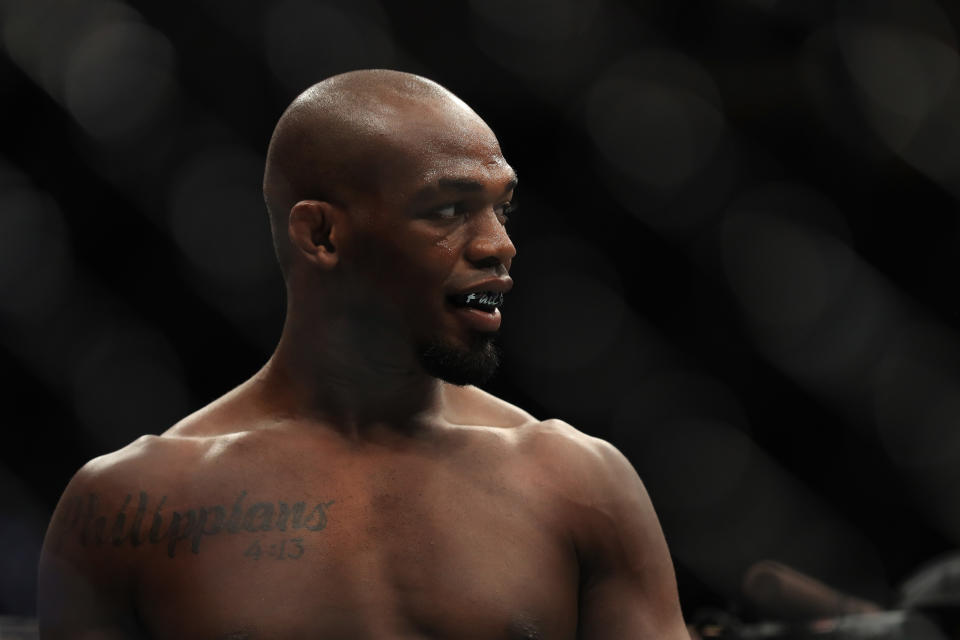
(344, 492)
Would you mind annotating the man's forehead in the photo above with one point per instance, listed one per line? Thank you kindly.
(452, 157)
(419, 145)
(468, 175)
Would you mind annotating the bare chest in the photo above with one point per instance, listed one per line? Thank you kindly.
(385, 554)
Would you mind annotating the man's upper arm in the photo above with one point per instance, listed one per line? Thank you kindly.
(628, 587)
(85, 587)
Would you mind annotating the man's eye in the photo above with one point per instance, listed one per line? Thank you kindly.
(446, 213)
(504, 211)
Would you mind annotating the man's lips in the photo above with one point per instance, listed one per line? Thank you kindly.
(478, 306)
(483, 321)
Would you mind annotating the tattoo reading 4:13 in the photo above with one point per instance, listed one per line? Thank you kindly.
(192, 525)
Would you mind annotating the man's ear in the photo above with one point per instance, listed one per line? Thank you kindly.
(313, 229)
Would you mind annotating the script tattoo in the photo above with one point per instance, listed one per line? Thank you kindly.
(190, 526)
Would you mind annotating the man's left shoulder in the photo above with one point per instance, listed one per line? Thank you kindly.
(562, 441)
(585, 466)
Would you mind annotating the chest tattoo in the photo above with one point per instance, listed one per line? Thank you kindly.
(152, 522)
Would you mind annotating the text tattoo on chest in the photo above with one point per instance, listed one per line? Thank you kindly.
(150, 523)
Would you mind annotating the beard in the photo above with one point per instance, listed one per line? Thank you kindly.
(460, 366)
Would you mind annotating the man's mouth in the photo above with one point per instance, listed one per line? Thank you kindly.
(487, 301)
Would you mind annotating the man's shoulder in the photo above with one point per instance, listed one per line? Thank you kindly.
(197, 441)
(107, 481)
(584, 459)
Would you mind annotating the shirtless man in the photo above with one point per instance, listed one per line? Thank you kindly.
(358, 487)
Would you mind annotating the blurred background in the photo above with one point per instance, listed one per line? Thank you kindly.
(738, 246)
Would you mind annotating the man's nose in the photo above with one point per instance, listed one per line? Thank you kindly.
(490, 245)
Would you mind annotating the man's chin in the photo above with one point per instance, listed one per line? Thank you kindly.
(460, 365)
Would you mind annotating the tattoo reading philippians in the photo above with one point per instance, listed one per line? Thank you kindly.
(192, 525)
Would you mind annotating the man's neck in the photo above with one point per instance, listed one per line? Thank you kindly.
(328, 378)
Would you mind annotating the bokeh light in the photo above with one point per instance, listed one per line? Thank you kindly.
(32, 282)
(917, 399)
(811, 303)
(217, 217)
(307, 41)
(901, 61)
(127, 383)
(724, 502)
(551, 46)
(119, 80)
(657, 121)
(656, 117)
(738, 247)
(568, 323)
(41, 35)
(785, 271)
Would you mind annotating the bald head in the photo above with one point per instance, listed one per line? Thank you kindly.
(332, 142)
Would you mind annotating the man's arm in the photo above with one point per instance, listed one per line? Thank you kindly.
(628, 588)
(85, 585)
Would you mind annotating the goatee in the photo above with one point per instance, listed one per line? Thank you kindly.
(461, 366)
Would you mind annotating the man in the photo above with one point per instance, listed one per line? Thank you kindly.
(358, 486)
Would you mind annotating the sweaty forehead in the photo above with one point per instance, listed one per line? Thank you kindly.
(427, 145)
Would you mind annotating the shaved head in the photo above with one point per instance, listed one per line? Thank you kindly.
(334, 141)
(388, 198)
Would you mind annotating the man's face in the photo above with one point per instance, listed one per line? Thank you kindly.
(433, 243)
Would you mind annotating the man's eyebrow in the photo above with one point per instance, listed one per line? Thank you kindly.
(462, 184)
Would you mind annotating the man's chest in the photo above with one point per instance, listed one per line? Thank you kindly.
(384, 555)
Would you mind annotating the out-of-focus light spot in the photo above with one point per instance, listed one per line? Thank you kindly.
(552, 46)
(306, 41)
(934, 150)
(884, 76)
(932, 584)
(119, 80)
(916, 403)
(128, 383)
(40, 35)
(904, 76)
(921, 16)
(917, 400)
(814, 307)
(724, 503)
(902, 58)
(218, 218)
(568, 336)
(589, 394)
(35, 255)
(833, 94)
(584, 317)
(584, 307)
(673, 395)
(704, 461)
(786, 274)
(656, 119)
(538, 21)
(906, 73)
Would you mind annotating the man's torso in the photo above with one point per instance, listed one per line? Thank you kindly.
(282, 531)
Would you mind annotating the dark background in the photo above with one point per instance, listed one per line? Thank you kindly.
(737, 244)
